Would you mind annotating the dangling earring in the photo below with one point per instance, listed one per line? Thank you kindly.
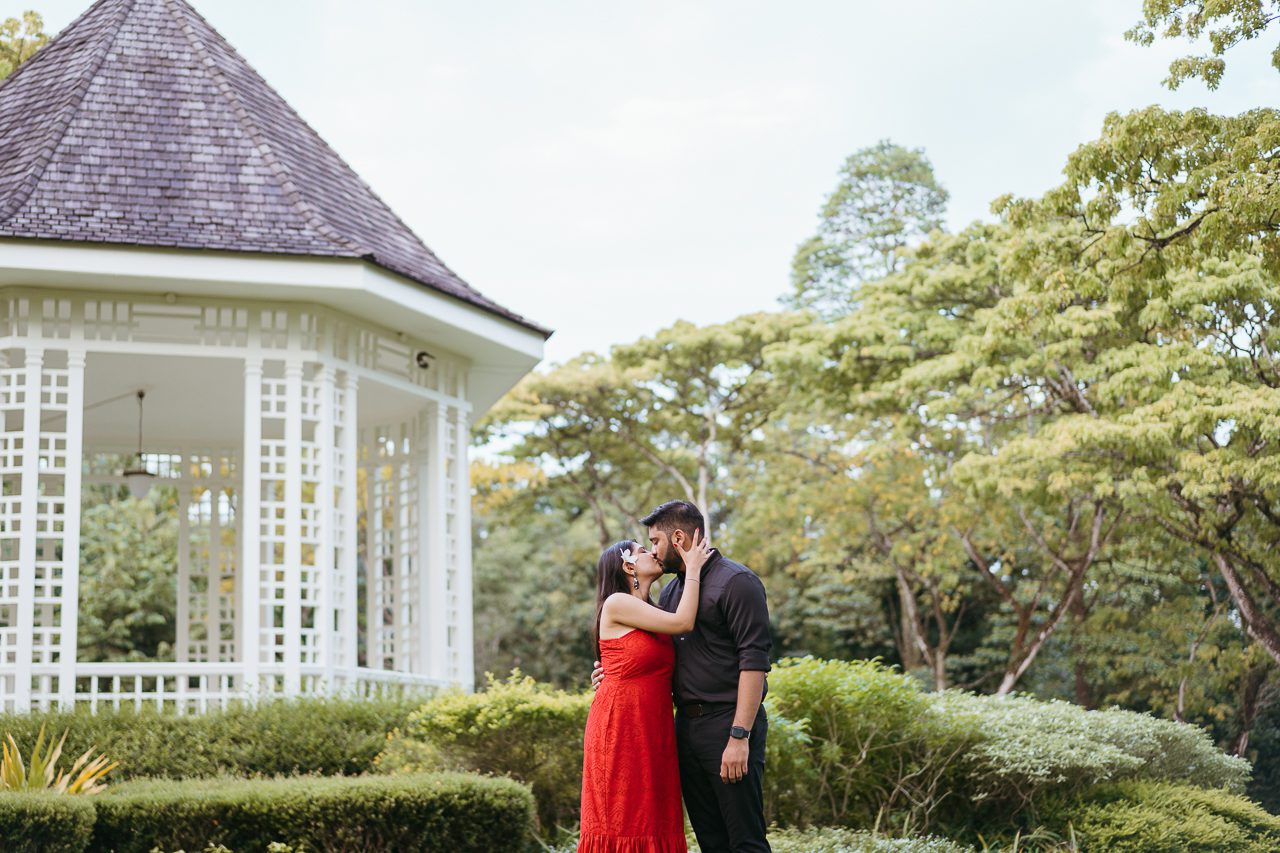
(635, 582)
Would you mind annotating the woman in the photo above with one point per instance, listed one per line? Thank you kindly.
(630, 776)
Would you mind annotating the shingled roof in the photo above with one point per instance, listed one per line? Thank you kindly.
(140, 125)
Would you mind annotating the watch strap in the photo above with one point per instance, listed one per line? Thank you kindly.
(739, 733)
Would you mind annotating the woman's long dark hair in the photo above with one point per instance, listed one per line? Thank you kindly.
(611, 578)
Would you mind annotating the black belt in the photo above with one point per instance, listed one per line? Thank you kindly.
(703, 708)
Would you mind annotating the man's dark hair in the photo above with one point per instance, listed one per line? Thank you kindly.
(677, 515)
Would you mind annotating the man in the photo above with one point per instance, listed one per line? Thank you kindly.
(719, 685)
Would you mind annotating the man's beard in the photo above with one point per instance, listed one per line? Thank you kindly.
(672, 564)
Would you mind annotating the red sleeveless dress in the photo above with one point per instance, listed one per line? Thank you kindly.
(630, 773)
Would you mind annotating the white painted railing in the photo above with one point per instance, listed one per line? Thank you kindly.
(187, 688)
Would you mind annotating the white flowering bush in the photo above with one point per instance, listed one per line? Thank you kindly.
(1029, 747)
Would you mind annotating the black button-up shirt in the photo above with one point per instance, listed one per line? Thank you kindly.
(731, 633)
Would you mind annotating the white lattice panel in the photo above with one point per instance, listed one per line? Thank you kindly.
(324, 495)
(207, 576)
(392, 547)
(311, 514)
(35, 596)
(12, 400)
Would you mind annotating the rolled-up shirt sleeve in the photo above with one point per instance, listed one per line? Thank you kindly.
(747, 615)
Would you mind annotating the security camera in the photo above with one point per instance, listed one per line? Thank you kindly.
(424, 359)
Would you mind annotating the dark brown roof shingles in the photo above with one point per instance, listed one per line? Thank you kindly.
(139, 124)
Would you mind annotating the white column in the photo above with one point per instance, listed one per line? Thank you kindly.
(351, 528)
(434, 554)
(250, 611)
(213, 592)
(372, 566)
(71, 529)
(405, 546)
(325, 506)
(183, 630)
(293, 527)
(27, 538)
(463, 629)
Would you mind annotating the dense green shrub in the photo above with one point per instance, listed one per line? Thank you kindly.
(859, 746)
(370, 814)
(1156, 817)
(1030, 747)
(326, 736)
(45, 823)
(515, 728)
(855, 744)
(851, 744)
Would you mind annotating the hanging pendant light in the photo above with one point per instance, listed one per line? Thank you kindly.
(138, 477)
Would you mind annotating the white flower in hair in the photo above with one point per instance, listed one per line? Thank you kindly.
(627, 556)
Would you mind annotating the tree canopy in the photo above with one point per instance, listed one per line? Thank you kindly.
(20, 38)
(1037, 454)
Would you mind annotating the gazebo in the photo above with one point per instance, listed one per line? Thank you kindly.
(169, 225)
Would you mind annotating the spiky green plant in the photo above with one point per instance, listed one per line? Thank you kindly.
(41, 773)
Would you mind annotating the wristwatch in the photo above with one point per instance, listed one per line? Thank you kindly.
(739, 733)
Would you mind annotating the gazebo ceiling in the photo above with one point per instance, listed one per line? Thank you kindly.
(179, 410)
(140, 126)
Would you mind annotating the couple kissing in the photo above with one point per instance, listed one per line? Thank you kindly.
(705, 645)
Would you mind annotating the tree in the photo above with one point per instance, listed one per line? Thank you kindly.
(657, 418)
(1164, 242)
(1226, 23)
(887, 200)
(128, 575)
(567, 424)
(534, 579)
(912, 359)
(19, 41)
(701, 396)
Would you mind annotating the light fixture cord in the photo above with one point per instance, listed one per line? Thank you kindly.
(141, 394)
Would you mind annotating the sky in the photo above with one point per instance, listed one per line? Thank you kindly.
(606, 169)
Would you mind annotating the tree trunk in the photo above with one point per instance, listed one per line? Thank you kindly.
(1250, 706)
(1080, 668)
(1257, 623)
(939, 670)
(1018, 667)
(909, 619)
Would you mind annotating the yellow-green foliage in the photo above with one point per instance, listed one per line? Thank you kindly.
(515, 728)
(41, 773)
(1153, 817)
(19, 41)
(870, 749)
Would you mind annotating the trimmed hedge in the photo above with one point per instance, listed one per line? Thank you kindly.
(369, 814)
(325, 736)
(44, 823)
(515, 728)
(1154, 817)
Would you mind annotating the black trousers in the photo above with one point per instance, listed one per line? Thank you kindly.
(726, 817)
